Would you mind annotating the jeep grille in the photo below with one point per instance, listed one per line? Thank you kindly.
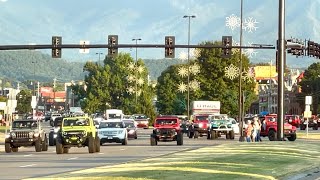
(167, 132)
(22, 134)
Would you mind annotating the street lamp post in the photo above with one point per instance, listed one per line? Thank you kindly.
(188, 89)
(136, 76)
(34, 80)
(99, 53)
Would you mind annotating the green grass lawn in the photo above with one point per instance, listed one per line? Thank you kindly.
(266, 160)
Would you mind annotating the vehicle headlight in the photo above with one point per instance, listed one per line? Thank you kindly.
(120, 131)
(56, 130)
(200, 125)
(31, 134)
(84, 133)
(13, 135)
(64, 133)
(7, 136)
(36, 134)
(131, 131)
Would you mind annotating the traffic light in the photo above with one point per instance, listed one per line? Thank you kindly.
(226, 42)
(311, 48)
(317, 50)
(169, 49)
(112, 41)
(56, 46)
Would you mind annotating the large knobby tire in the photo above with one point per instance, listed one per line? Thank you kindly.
(179, 139)
(51, 139)
(272, 135)
(213, 135)
(91, 145)
(14, 149)
(65, 150)
(136, 136)
(231, 134)
(302, 127)
(7, 147)
(125, 141)
(59, 147)
(153, 141)
(315, 127)
(293, 137)
(196, 134)
(227, 135)
(97, 143)
(37, 145)
(190, 134)
(208, 135)
(45, 144)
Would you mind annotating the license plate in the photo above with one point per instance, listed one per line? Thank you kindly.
(110, 137)
(74, 138)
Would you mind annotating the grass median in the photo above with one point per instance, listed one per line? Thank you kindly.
(266, 160)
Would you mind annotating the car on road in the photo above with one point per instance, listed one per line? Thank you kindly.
(269, 128)
(113, 130)
(54, 131)
(53, 117)
(142, 120)
(131, 128)
(294, 120)
(199, 126)
(77, 132)
(166, 129)
(219, 127)
(26, 133)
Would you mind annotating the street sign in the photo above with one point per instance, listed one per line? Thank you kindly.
(308, 100)
(307, 114)
(84, 50)
(34, 102)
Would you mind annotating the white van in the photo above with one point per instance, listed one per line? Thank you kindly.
(114, 114)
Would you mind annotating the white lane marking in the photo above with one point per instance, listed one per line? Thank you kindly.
(27, 155)
(29, 165)
(72, 158)
(101, 153)
(122, 149)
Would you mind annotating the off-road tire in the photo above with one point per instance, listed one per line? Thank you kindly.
(190, 134)
(180, 139)
(227, 135)
(196, 134)
(272, 135)
(136, 136)
(7, 147)
(125, 141)
(231, 134)
(37, 145)
(59, 147)
(153, 141)
(65, 150)
(293, 137)
(303, 127)
(208, 135)
(315, 127)
(91, 144)
(51, 139)
(97, 143)
(45, 144)
(15, 149)
(213, 135)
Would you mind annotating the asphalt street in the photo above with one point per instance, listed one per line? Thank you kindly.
(27, 163)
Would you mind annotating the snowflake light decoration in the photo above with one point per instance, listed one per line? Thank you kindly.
(131, 66)
(182, 71)
(183, 55)
(195, 53)
(248, 75)
(140, 81)
(235, 50)
(233, 22)
(194, 69)
(130, 90)
(231, 71)
(194, 85)
(182, 87)
(140, 69)
(250, 24)
(250, 52)
(130, 78)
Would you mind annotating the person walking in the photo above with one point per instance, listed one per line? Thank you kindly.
(248, 131)
(256, 129)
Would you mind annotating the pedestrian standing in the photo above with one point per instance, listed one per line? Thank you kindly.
(257, 129)
(248, 131)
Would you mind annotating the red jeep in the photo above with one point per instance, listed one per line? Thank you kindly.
(269, 128)
(166, 129)
(294, 120)
(199, 127)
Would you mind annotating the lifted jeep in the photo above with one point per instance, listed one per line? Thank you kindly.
(269, 128)
(217, 127)
(26, 133)
(166, 129)
(77, 132)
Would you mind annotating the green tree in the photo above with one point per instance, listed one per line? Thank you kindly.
(214, 84)
(310, 85)
(24, 101)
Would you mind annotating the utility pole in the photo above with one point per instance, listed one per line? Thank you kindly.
(136, 72)
(281, 59)
(54, 92)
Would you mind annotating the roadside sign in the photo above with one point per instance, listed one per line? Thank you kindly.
(307, 114)
(84, 50)
(308, 100)
(34, 102)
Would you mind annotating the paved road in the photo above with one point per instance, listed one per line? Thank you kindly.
(28, 163)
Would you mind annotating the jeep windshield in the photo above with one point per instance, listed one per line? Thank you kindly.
(111, 125)
(137, 117)
(218, 121)
(202, 118)
(114, 116)
(76, 122)
(24, 125)
(166, 122)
